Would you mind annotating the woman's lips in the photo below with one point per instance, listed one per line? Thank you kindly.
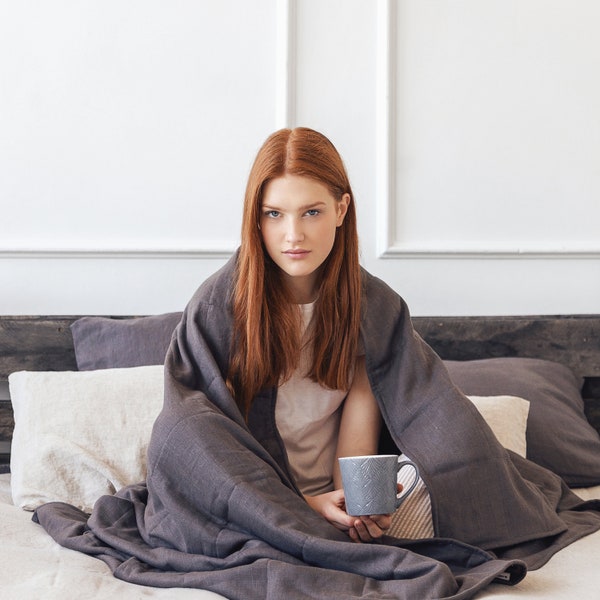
(298, 253)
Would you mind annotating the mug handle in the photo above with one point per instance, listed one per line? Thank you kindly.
(406, 492)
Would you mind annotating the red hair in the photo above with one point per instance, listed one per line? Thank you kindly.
(267, 329)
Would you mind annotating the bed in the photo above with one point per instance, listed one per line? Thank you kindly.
(70, 369)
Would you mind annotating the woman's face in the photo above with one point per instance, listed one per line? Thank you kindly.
(299, 218)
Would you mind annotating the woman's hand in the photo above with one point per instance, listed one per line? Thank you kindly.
(331, 506)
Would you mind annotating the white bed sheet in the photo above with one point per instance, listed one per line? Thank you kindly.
(33, 566)
(571, 574)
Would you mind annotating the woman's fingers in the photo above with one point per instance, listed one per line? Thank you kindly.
(382, 521)
(370, 528)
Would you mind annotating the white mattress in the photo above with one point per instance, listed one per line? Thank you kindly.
(33, 566)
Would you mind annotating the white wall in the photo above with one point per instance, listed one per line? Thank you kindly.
(470, 129)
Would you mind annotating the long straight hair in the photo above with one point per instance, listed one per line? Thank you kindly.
(267, 336)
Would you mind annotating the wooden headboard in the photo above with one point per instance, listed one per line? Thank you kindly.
(45, 344)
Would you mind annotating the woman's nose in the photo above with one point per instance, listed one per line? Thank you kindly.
(294, 231)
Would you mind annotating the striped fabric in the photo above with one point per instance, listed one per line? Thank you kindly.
(413, 519)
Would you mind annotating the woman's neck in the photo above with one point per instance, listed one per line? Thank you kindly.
(303, 290)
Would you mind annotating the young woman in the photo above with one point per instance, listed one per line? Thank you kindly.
(297, 316)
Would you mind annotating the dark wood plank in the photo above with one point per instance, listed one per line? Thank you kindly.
(36, 343)
(45, 344)
(7, 422)
(570, 340)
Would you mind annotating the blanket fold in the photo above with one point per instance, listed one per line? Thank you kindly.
(219, 509)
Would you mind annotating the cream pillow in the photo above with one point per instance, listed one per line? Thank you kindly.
(81, 434)
(507, 417)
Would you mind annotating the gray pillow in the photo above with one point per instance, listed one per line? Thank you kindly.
(105, 343)
(559, 437)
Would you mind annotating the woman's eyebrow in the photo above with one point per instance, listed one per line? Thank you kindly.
(303, 208)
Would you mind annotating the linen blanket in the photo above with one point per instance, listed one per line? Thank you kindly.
(220, 511)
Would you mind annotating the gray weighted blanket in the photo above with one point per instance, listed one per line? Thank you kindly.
(220, 511)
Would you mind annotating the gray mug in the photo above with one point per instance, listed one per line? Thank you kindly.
(371, 483)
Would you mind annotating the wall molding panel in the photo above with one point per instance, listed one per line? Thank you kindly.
(389, 242)
(385, 137)
(197, 253)
(286, 64)
(280, 71)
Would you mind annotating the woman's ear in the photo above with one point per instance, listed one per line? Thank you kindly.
(342, 208)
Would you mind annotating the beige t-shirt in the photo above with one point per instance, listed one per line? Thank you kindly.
(308, 419)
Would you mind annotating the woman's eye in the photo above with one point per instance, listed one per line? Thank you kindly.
(272, 213)
(313, 212)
